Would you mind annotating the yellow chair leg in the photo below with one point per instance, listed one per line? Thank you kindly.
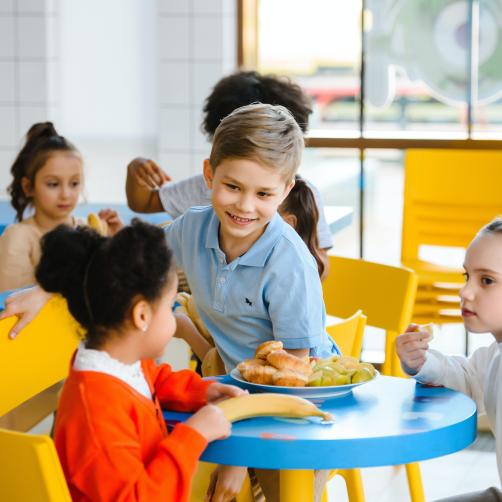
(415, 482)
(297, 485)
(354, 483)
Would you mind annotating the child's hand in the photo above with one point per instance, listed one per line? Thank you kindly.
(112, 219)
(226, 483)
(218, 391)
(147, 173)
(210, 422)
(26, 305)
(412, 346)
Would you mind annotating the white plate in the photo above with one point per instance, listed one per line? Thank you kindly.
(306, 392)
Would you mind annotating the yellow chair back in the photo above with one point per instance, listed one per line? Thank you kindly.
(40, 355)
(385, 294)
(348, 334)
(448, 196)
(30, 470)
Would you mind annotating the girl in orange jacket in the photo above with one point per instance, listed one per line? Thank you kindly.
(109, 432)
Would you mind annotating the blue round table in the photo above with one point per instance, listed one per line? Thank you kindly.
(388, 421)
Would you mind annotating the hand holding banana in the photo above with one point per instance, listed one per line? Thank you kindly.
(412, 346)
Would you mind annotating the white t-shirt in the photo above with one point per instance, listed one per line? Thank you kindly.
(479, 376)
(176, 198)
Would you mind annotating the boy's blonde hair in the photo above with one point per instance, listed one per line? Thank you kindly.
(265, 133)
(494, 227)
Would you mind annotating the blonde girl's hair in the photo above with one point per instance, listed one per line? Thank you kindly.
(265, 133)
(42, 140)
(494, 227)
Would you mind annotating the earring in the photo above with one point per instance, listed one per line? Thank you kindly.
(144, 328)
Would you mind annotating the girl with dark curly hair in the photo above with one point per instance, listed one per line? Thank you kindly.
(109, 433)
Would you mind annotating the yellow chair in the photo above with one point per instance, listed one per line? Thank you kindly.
(40, 356)
(348, 335)
(386, 295)
(448, 196)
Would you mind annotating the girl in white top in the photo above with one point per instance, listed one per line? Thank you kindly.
(479, 376)
(47, 176)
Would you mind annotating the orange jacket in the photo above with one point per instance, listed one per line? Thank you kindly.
(112, 440)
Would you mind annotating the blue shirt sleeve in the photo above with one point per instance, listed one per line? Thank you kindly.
(295, 305)
(174, 238)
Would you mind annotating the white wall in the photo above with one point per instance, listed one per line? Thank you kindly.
(108, 83)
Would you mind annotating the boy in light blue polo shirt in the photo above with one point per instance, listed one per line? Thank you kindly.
(251, 275)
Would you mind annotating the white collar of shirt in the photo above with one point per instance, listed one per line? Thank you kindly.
(102, 362)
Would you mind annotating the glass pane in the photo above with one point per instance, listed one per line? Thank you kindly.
(323, 56)
(336, 174)
(416, 61)
(383, 205)
(488, 105)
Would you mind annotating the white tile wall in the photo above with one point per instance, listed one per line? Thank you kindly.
(208, 37)
(214, 6)
(174, 38)
(176, 125)
(31, 37)
(32, 82)
(7, 82)
(193, 50)
(174, 83)
(8, 130)
(7, 38)
(174, 6)
(31, 6)
(177, 165)
(198, 139)
(6, 159)
(205, 75)
(28, 115)
(28, 69)
(6, 6)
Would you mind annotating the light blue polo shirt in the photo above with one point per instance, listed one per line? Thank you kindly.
(272, 292)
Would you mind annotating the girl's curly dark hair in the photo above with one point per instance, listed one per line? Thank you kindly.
(247, 87)
(101, 276)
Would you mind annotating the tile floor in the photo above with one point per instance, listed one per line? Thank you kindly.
(472, 469)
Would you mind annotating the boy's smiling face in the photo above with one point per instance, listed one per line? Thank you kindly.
(245, 197)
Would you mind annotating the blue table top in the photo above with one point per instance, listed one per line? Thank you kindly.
(7, 214)
(388, 421)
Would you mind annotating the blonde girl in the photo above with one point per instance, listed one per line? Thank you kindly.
(480, 375)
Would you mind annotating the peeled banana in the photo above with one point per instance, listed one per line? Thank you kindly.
(96, 223)
(269, 404)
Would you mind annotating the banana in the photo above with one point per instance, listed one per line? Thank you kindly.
(96, 223)
(269, 404)
(429, 329)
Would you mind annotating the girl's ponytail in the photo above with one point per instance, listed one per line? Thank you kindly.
(42, 140)
(302, 204)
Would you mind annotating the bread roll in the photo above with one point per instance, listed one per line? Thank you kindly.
(263, 350)
(282, 360)
(289, 378)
